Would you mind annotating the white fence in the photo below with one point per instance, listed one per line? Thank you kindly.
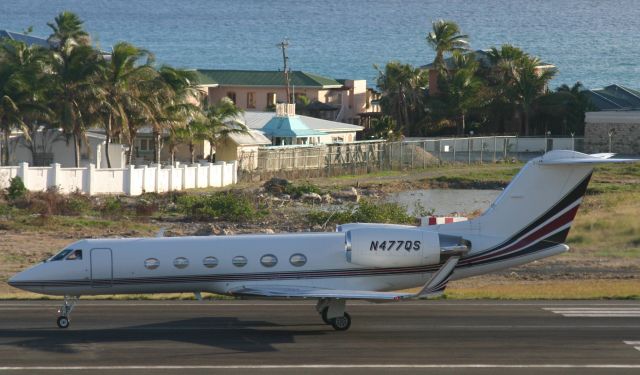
(131, 180)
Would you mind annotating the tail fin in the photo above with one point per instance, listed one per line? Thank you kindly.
(541, 200)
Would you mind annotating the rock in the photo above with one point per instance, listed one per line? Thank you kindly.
(311, 197)
(268, 231)
(350, 194)
(276, 185)
(327, 198)
(317, 228)
(285, 197)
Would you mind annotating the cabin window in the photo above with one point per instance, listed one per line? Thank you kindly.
(181, 262)
(298, 260)
(269, 260)
(239, 261)
(151, 263)
(251, 100)
(210, 262)
(74, 255)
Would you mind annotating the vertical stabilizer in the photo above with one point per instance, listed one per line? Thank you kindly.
(540, 202)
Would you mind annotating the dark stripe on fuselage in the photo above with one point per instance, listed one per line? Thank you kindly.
(575, 194)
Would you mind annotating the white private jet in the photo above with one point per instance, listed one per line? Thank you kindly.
(530, 220)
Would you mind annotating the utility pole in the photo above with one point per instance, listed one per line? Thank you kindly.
(285, 59)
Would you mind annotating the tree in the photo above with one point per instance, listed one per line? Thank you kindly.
(173, 105)
(403, 92)
(384, 127)
(73, 64)
(526, 83)
(21, 90)
(563, 111)
(67, 30)
(121, 76)
(461, 88)
(218, 122)
(445, 37)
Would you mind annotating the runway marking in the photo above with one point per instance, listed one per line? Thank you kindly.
(322, 366)
(635, 344)
(592, 312)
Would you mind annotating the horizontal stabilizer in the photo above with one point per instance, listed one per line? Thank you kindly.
(566, 157)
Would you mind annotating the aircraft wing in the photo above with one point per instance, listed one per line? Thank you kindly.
(280, 291)
(433, 288)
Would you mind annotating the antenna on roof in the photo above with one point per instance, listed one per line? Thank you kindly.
(285, 59)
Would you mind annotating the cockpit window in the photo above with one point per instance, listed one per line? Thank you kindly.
(75, 255)
(61, 255)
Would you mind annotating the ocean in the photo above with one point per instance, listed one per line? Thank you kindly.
(592, 41)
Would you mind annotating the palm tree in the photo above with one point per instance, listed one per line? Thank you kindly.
(73, 64)
(445, 37)
(21, 91)
(220, 121)
(67, 29)
(173, 104)
(527, 83)
(120, 77)
(402, 88)
(461, 89)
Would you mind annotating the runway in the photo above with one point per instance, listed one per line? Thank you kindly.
(450, 337)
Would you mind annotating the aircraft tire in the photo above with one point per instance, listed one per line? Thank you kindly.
(341, 323)
(323, 314)
(63, 322)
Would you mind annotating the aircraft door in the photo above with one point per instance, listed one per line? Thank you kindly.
(101, 268)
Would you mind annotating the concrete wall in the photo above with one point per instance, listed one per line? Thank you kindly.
(614, 131)
(55, 143)
(130, 180)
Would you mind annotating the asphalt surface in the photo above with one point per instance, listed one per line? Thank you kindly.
(450, 337)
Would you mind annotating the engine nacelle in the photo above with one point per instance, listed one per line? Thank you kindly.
(392, 247)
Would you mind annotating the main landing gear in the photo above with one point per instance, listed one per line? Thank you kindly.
(65, 310)
(333, 313)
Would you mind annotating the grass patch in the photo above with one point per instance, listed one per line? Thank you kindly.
(229, 206)
(557, 289)
(607, 225)
(364, 212)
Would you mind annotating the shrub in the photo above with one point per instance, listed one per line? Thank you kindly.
(16, 189)
(364, 212)
(112, 206)
(226, 206)
(304, 188)
(76, 204)
(146, 207)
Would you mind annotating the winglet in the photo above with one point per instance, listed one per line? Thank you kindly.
(438, 282)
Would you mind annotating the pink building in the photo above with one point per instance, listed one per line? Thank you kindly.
(252, 90)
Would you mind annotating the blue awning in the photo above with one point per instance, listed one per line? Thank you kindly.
(291, 126)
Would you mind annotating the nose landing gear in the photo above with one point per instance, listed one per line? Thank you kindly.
(65, 310)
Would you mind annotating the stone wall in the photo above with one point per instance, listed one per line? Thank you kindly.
(620, 128)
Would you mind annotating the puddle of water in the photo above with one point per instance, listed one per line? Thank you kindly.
(445, 202)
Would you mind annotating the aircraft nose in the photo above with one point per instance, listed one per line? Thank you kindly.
(19, 278)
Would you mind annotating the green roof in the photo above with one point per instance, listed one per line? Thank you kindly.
(263, 78)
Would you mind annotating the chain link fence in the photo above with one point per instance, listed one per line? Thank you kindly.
(363, 157)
